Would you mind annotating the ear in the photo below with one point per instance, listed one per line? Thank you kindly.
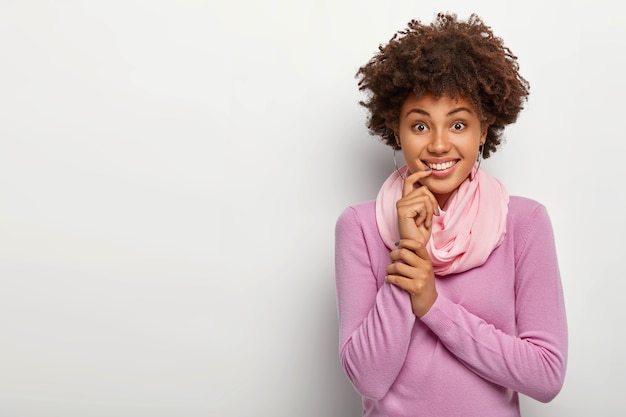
(397, 137)
(483, 135)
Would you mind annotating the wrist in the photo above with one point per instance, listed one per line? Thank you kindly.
(422, 307)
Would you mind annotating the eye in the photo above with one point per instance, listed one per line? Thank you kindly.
(458, 126)
(419, 127)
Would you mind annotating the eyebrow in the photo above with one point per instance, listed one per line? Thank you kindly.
(450, 113)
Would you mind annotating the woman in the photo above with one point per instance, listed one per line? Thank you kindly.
(449, 295)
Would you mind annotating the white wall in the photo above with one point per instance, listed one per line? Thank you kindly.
(170, 176)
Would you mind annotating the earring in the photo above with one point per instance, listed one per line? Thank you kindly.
(479, 159)
(480, 154)
(395, 164)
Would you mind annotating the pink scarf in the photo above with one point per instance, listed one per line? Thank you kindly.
(464, 235)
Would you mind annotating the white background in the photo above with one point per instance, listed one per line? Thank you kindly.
(170, 176)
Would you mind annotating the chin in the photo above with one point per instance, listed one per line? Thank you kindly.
(437, 188)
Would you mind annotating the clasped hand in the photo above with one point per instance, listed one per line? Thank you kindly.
(411, 267)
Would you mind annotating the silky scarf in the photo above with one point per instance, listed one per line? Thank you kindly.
(464, 235)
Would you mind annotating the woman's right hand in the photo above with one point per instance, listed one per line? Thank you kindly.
(416, 208)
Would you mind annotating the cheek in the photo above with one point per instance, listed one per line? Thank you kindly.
(411, 152)
(412, 144)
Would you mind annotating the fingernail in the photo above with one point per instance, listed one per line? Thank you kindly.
(437, 212)
(428, 169)
(397, 243)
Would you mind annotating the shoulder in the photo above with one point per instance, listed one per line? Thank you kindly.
(362, 214)
(528, 220)
(523, 210)
(519, 206)
(358, 221)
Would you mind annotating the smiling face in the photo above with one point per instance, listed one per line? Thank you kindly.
(443, 134)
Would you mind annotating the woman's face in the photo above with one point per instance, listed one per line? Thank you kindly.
(443, 134)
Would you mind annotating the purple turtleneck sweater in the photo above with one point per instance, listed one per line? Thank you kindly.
(494, 331)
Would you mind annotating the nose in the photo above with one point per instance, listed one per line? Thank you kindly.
(439, 143)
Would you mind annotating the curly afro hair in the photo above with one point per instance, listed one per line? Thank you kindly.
(447, 57)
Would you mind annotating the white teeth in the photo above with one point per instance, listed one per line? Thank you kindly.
(441, 167)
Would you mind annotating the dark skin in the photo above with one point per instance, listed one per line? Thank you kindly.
(411, 268)
(440, 139)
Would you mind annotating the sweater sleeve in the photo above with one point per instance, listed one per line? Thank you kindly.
(532, 362)
(374, 324)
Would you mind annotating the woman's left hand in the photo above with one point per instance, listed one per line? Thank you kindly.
(412, 270)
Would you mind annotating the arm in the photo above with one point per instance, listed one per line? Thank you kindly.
(375, 324)
(533, 362)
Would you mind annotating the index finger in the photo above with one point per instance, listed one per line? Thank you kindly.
(411, 180)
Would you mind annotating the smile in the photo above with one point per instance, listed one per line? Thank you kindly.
(442, 166)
